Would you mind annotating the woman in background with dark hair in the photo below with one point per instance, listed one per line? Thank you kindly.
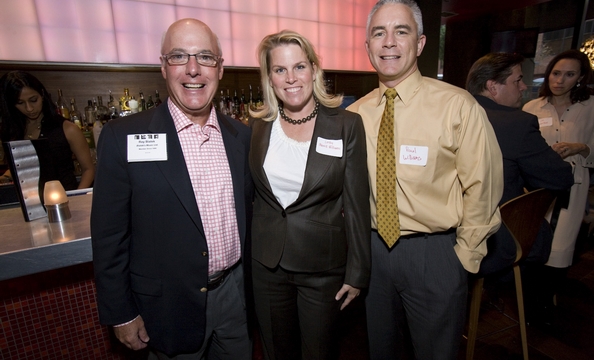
(28, 113)
(565, 113)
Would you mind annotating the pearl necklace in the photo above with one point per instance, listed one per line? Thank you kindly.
(300, 121)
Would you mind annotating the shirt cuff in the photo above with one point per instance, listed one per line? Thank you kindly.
(126, 323)
(471, 260)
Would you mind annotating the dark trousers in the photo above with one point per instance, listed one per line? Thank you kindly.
(418, 287)
(226, 333)
(296, 311)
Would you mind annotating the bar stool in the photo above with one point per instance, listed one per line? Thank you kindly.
(523, 216)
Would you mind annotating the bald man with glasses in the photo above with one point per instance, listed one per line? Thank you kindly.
(171, 212)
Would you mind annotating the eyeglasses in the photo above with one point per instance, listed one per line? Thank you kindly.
(182, 59)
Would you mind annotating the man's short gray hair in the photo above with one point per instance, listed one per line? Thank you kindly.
(414, 7)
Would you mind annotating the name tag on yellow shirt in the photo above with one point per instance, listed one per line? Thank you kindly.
(414, 155)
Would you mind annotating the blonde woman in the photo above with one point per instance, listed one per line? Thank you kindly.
(311, 224)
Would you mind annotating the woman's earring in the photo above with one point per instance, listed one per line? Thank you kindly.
(578, 85)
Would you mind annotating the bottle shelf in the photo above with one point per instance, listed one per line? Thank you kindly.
(83, 81)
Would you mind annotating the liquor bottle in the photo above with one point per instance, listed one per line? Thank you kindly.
(97, 127)
(141, 102)
(96, 109)
(112, 107)
(133, 105)
(62, 106)
(102, 111)
(87, 127)
(88, 134)
(149, 103)
(229, 103)
(223, 104)
(75, 115)
(125, 98)
(243, 106)
(90, 114)
(124, 103)
(236, 105)
(259, 101)
(251, 99)
(157, 98)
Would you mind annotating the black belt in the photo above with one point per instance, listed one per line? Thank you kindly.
(426, 235)
(414, 235)
(215, 280)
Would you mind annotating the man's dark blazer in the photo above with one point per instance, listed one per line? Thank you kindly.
(528, 162)
(149, 249)
(312, 234)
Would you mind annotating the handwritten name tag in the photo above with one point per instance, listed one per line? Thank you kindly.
(414, 155)
(147, 147)
(329, 147)
(548, 121)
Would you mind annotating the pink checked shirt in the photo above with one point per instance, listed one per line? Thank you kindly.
(206, 160)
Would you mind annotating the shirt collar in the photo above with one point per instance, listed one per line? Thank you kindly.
(406, 89)
(546, 100)
(182, 121)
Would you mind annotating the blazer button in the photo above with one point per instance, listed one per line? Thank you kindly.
(284, 214)
(204, 253)
(203, 289)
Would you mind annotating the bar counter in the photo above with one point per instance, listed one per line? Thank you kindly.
(48, 303)
(37, 246)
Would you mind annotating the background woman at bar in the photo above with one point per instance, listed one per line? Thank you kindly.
(311, 223)
(565, 113)
(28, 113)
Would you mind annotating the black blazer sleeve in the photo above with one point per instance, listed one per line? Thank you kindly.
(356, 208)
(110, 232)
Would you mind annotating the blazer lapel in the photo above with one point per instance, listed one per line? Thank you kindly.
(175, 169)
(259, 148)
(327, 127)
(236, 155)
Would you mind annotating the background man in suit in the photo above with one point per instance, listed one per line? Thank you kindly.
(528, 161)
(447, 178)
(171, 211)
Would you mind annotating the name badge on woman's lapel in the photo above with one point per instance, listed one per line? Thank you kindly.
(329, 147)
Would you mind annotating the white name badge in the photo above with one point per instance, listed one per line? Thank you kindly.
(545, 122)
(329, 147)
(414, 155)
(147, 147)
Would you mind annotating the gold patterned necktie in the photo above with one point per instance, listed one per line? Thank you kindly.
(388, 223)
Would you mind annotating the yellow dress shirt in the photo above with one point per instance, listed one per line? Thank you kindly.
(449, 166)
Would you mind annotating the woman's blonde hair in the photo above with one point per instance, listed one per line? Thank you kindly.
(269, 110)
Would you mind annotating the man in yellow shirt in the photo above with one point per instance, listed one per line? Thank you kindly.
(449, 174)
